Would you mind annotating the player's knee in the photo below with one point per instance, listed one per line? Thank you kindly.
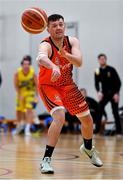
(86, 120)
(59, 115)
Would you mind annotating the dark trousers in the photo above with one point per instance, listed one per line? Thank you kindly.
(109, 98)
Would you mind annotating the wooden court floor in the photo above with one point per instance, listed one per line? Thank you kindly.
(20, 158)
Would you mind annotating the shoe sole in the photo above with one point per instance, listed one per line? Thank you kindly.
(97, 165)
(47, 172)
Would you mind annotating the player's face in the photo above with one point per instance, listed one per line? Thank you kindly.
(102, 61)
(26, 66)
(56, 29)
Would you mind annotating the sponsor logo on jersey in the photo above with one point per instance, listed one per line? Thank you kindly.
(57, 98)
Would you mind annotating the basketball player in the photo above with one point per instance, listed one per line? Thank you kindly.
(25, 81)
(57, 55)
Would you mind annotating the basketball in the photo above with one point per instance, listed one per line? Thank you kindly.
(34, 20)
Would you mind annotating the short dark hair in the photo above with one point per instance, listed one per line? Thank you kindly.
(26, 58)
(55, 17)
(102, 54)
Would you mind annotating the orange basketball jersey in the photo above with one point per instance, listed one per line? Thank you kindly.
(65, 66)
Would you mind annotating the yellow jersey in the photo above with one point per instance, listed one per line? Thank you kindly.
(26, 83)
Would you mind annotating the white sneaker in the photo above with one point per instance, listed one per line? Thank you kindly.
(92, 154)
(45, 166)
(18, 130)
(27, 133)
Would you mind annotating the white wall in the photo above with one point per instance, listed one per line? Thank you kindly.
(100, 30)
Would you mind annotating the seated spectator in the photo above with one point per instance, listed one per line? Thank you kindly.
(72, 123)
(94, 109)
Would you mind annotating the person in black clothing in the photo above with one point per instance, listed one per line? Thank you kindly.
(108, 84)
(94, 108)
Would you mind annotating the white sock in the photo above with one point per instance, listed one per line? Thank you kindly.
(27, 128)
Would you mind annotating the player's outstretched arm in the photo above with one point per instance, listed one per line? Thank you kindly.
(45, 52)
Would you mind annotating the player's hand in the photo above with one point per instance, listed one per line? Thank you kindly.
(55, 73)
(100, 96)
(116, 98)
